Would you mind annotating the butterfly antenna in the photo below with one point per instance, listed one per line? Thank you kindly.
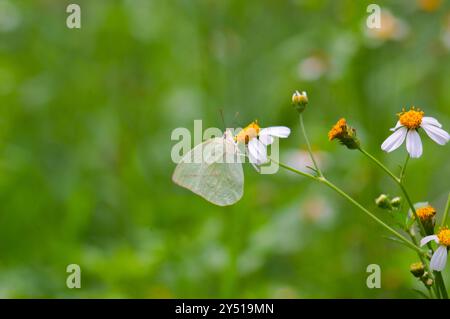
(223, 118)
(235, 120)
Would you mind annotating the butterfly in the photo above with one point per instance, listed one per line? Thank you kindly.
(213, 170)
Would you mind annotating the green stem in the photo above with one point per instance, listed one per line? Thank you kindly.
(376, 219)
(399, 182)
(308, 145)
(437, 291)
(392, 175)
(413, 209)
(425, 263)
(402, 173)
(438, 276)
(354, 202)
(440, 283)
(430, 291)
(447, 208)
(289, 168)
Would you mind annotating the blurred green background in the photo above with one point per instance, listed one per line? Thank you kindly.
(86, 117)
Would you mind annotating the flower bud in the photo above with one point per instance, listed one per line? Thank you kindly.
(383, 201)
(396, 202)
(427, 215)
(428, 282)
(426, 279)
(299, 101)
(345, 134)
(417, 269)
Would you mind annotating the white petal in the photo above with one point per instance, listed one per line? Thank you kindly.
(252, 152)
(262, 150)
(253, 160)
(436, 134)
(431, 120)
(258, 151)
(394, 140)
(427, 239)
(413, 144)
(396, 126)
(228, 135)
(439, 259)
(278, 131)
(266, 139)
(417, 206)
(421, 204)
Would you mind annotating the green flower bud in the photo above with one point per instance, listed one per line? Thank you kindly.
(299, 101)
(417, 269)
(383, 201)
(426, 279)
(428, 282)
(396, 202)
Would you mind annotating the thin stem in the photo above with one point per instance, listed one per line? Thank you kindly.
(437, 290)
(425, 263)
(430, 291)
(354, 202)
(413, 209)
(392, 175)
(399, 182)
(289, 168)
(376, 219)
(440, 283)
(308, 145)
(402, 173)
(447, 208)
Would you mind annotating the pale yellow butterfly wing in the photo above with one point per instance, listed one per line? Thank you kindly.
(215, 178)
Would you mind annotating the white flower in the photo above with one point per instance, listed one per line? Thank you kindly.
(407, 128)
(439, 258)
(257, 139)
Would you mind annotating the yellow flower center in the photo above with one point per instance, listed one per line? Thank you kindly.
(338, 129)
(426, 212)
(444, 236)
(412, 118)
(249, 132)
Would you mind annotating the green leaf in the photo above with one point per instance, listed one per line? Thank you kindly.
(421, 293)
